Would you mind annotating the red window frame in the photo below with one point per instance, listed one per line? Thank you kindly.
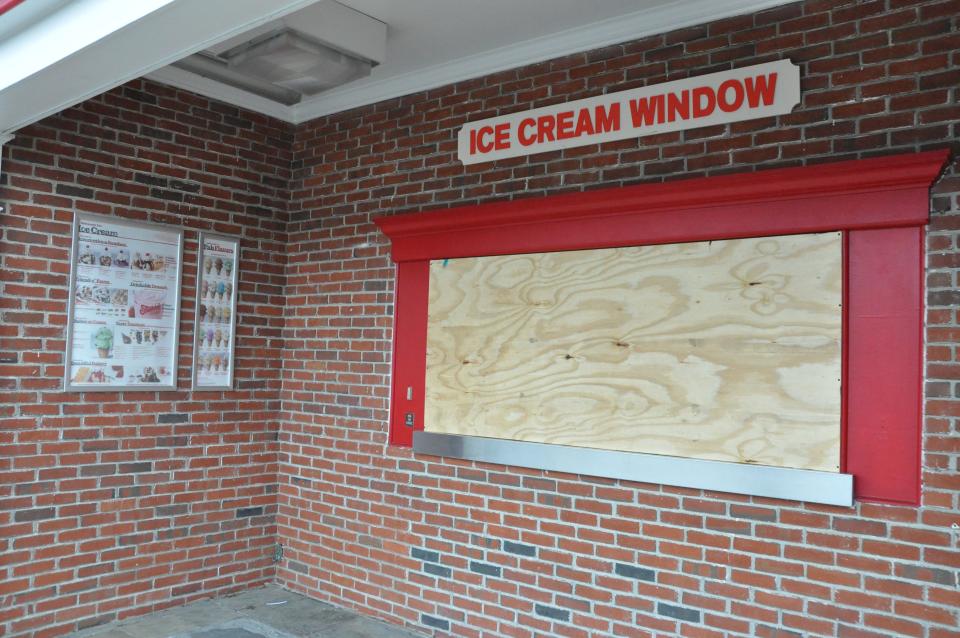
(880, 204)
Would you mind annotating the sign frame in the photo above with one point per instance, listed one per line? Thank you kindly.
(199, 300)
(177, 234)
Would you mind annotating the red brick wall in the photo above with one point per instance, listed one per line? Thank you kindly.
(114, 504)
(477, 549)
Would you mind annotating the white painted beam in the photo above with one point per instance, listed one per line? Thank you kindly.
(4, 138)
(91, 46)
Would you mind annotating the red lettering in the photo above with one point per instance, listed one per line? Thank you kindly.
(584, 123)
(763, 87)
(485, 147)
(643, 111)
(565, 125)
(607, 121)
(545, 126)
(501, 141)
(522, 132)
(724, 90)
(473, 141)
(699, 108)
(678, 105)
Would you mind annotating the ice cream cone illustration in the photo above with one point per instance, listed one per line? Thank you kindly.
(103, 341)
(225, 315)
(221, 290)
(209, 336)
(207, 265)
(229, 290)
(218, 264)
(203, 312)
(204, 288)
(228, 267)
(216, 362)
(219, 336)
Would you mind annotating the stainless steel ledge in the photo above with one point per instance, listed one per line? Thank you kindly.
(829, 488)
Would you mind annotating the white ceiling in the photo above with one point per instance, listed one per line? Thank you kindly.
(422, 33)
(432, 43)
(429, 43)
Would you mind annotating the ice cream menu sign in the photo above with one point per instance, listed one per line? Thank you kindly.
(124, 304)
(216, 312)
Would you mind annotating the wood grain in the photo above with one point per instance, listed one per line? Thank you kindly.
(726, 350)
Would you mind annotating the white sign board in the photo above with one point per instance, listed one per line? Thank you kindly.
(124, 313)
(215, 320)
(752, 92)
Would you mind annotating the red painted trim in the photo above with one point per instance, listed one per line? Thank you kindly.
(878, 192)
(409, 348)
(882, 203)
(7, 5)
(885, 394)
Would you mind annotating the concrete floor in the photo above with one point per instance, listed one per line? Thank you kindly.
(257, 613)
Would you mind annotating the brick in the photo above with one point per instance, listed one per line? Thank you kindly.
(423, 554)
(437, 570)
(484, 568)
(521, 549)
(433, 621)
(546, 611)
(680, 613)
(37, 514)
(632, 571)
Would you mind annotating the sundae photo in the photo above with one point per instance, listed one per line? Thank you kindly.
(121, 259)
(148, 303)
(149, 262)
(105, 258)
(86, 255)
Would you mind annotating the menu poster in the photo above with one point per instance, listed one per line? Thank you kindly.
(124, 312)
(216, 312)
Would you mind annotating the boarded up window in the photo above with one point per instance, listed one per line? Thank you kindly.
(727, 350)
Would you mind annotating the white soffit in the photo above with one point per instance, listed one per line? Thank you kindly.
(433, 43)
(86, 47)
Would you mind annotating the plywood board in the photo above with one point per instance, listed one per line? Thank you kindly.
(727, 350)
